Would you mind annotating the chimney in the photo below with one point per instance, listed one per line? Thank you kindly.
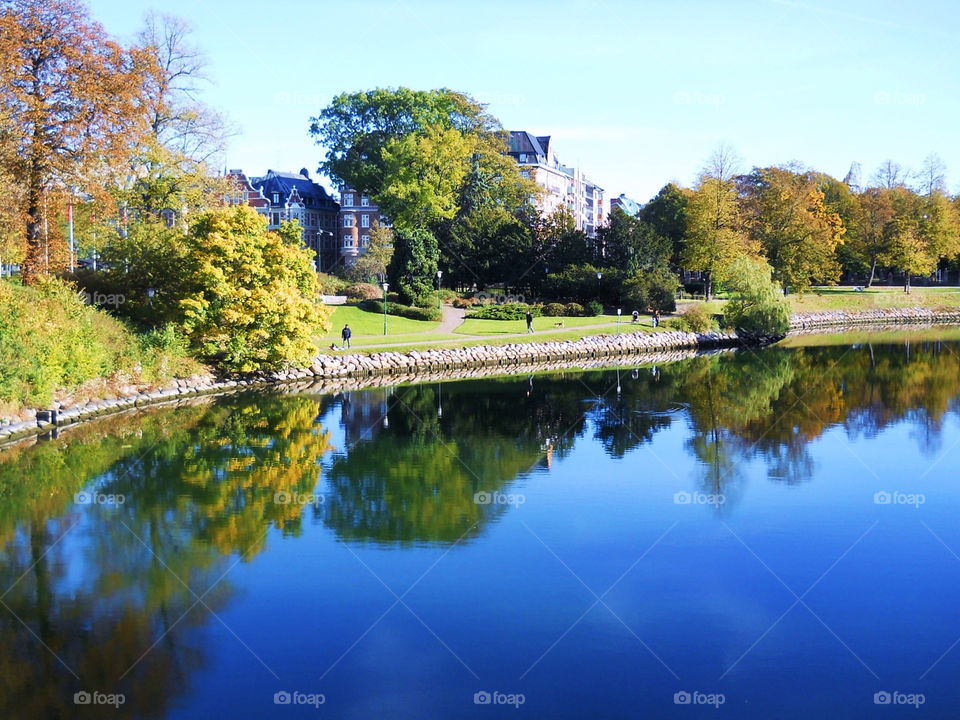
(303, 171)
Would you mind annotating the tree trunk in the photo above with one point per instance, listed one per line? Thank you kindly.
(906, 284)
(873, 270)
(707, 286)
(33, 262)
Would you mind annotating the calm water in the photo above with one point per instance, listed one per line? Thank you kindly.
(606, 544)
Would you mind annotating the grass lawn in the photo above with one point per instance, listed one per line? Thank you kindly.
(368, 326)
(473, 326)
(845, 298)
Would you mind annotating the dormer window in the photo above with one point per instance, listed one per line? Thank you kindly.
(276, 198)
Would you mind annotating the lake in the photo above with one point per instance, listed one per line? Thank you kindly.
(748, 535)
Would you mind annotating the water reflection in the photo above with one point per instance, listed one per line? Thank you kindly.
(106, 596)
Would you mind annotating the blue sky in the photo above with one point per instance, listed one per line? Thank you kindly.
(636, 93)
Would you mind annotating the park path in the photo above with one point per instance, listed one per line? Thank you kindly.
(452, 319)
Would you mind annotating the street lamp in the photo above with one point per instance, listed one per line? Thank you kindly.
(619, 310)
(599, 275)
(150, 293)
(439, 276)
(385, 287)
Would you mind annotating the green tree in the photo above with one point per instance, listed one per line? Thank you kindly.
(923, 231)
(631, 244)
(251, 299)
(666, 216)
(756, 305)
(416, 151)
(413, 268)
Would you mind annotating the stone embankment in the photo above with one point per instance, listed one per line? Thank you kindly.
(332, 373)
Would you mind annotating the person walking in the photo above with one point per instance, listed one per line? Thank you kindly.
(529, 321)
(636, 317)
(346, 335)
(656, 318)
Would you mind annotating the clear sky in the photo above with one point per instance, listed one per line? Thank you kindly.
(636, 93)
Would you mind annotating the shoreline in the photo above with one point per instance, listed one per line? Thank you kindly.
(334, 373)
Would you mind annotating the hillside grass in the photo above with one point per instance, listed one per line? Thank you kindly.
(50, 341)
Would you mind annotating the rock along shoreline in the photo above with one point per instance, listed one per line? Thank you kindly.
(332, 373)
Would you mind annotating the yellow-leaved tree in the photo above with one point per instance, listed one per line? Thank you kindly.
(252, 300)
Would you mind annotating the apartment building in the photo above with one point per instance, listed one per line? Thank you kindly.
(564, 186)
(358, 216)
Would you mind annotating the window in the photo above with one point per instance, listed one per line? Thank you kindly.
(348, 220)
(276, 198)
(365, 201)
(365, 221)
(275, 218)
(348, 198)
(523, 157)
(348, 241)
(365, 240)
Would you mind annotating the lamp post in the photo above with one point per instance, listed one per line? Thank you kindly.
(619, 310)
(385, 287)
(150, 293)
(439, 276)
(599, 275)
(70, 230)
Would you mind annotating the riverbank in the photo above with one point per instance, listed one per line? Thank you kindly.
(451, 363)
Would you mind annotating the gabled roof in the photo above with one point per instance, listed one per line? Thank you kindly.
(523, 142)
(285, 184)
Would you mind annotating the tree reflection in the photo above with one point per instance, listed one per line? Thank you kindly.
(199, 487)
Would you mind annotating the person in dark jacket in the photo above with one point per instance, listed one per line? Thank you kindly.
(346, 334)
(529, 321)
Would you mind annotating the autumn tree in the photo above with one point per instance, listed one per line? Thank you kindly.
(73, 94)
(250, 295)
(374, 261)
(875, 211)
(785, 214)
(172, 165)
(923, 231)
(714, 237)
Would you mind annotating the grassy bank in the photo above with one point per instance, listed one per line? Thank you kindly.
(51, 340)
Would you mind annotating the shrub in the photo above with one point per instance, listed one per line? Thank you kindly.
(463, 303)
(50, 340)
(594, 308)
(554, 309)
(431, 314)
(696, 319)
(507, 311)
(573, 310)
(363, 291)
(330, 284)
(756, 305)
(252, 300)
